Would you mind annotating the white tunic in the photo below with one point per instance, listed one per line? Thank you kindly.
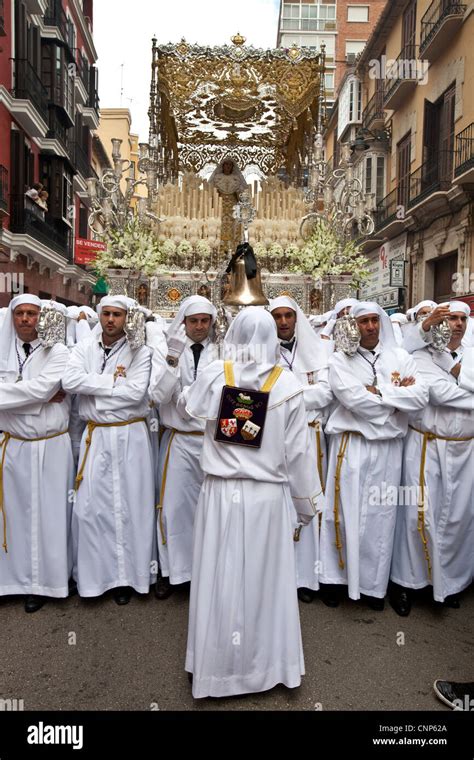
(371, 467)
(38, 476)
(448, 515)
(180, 448)
(317, 396)
(113, 515)
(244, 632)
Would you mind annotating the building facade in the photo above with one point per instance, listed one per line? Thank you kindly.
(343, 26)
(48, 111)
(407, 110)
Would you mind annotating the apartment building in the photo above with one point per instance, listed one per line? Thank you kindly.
(48, 111)
(407, 108)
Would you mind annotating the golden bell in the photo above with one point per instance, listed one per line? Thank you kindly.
(244, 292)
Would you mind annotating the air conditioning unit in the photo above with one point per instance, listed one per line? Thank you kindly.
(351, 58)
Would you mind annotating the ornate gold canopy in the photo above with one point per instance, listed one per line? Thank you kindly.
(258, 106)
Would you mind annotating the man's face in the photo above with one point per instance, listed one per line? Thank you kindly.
(25, 318)
(112, 320)
(424, 310)
(369, 328)
(285, 322)
(458, 323)
(197, 327)
(344, 311)
(227, 167)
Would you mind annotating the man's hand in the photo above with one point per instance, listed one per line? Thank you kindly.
(456, 370)
(436, 317)
(176, 342)
(58, 397)
(373, 389)
(82, 315)
(407, 381)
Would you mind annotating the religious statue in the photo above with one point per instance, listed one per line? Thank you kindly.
(229, 181)
(204, 290)
(142, 294)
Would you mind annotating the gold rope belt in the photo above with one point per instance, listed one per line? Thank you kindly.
(317, 427)
(427, 436)
(91, 426)
(159, 506)
(3, 446)
(337, 491)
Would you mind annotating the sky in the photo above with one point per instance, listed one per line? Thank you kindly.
(123, 32)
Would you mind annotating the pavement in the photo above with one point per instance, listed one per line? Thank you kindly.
(80, 654)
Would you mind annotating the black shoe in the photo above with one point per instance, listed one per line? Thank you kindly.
(400, 601)
(34, 603)
(305, 595)
(330, 597)
(163, 588)
(452, 601)
(459, 696)
(122, 594)
(375, 603)
(72, 588)
(190, 678)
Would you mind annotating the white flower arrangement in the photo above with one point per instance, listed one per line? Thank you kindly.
(184, 247)
(133, 248)
(275, 250)
(317, 256)
(260, 249)
(203, 248)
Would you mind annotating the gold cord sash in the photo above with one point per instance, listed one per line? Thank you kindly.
(3, 447)
(91, 426)
(427, 436)
(337, 491)
(165, 472)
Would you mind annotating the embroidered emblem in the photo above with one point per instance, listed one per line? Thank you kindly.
(120, 371)
(228, 426)
(396, 379)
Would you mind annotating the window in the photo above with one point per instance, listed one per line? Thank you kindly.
(329, 81)
(68, 200)
(374, 181)
(58, 78)
(354, 46)
(403, 170)
(355, 100)
(308, 17)
(358, 13)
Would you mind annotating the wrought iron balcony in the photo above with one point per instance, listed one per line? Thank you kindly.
(464, 158)
(373, 115)
(82, 161)
(431, 177)
(57, 131)
(386, 210)
(82, 69)
(56, 16)
(28, 218)
(402, 77)
(440, 22)
(28, 86)
(3, 188)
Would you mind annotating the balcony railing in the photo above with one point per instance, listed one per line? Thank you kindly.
(374, 110)
(28, 86)
(3, 187)
(464, 159)
(434, 17)
(386, 209)
(401, 76)
(57, 131)
(431, 177)
(56, 16)
(28, 218)
(82, 69)
(2, 20)
(81, 161)
(93, 101)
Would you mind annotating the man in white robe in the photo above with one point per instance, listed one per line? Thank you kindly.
(36, 464)
(244, 632)
(375, 388)
(189, 350)
(113, 513)
(302, 353)
(435, 536)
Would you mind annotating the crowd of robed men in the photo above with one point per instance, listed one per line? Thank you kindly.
(112, 477)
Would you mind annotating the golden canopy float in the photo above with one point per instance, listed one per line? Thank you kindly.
(256, 108)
